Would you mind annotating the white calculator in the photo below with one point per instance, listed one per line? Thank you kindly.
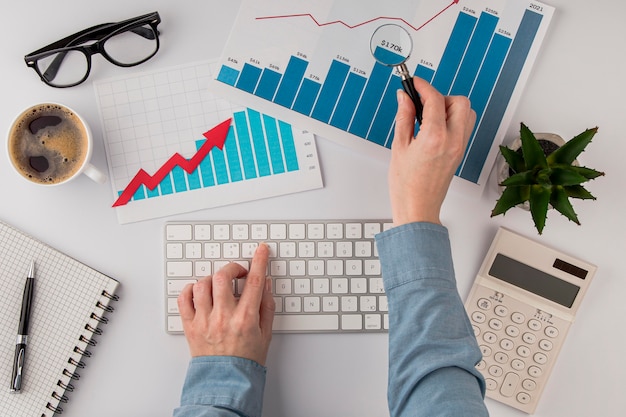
(521, 305)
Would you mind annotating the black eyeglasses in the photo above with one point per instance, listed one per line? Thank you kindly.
(67, 62)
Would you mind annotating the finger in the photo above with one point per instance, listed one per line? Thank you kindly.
(405, 120)
(202, 299)
(268, 308)
(222, 284)
(255, 281)
(185, 303)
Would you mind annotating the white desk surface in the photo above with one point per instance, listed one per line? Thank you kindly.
(138, 370)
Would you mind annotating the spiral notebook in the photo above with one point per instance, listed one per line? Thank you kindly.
(70, 304)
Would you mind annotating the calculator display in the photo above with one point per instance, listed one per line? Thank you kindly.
(533, 280)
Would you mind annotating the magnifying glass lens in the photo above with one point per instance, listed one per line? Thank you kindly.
(391, 45)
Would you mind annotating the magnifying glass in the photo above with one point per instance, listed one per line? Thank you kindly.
(391, 45)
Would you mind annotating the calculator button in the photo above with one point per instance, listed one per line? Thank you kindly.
(518, 364)
(535, 371)
(501, 357)
(529, 385)
(484, 304)
(491, 384)
(523, 398)
(540, 358)
(478, 317)
(534, 324)
(546, 345)
(523, 351)
(507, 344)
(495, 324)
(518, 318)
(512, 331)
(529, 338)
(485, 350)
(481, 365)
(509, 384)
(476, 330)
(495, 370)
(501, 311)
(552, 331)
(490, 337)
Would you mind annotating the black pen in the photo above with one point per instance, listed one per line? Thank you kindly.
(22, 331)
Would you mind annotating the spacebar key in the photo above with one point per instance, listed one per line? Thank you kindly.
(305, 323)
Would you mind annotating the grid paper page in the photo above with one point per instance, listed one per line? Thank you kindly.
(67, 293)
(148, 118)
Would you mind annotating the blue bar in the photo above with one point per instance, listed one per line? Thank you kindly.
(178, 174)
(383, 122)
(140, 194)
(268, 84)
(425, 73)
(228, 75)
(502, 92)
(249, 78)
(245, 146)
(475, 53)
(291, 158)
(232, 154)
(451, 58)
(291, 82)
(166, 185)
(388, 57)
(273, 144)
(348, 101)
(331, 89)
(370, 100)
(221, 171)
(258, 139)
(306, 97)
(151, 193)
(206, 169)
(193, 180)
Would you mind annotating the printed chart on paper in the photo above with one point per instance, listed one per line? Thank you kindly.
(311, 63)
(173, 147)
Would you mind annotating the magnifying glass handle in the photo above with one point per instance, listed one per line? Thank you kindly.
(409, 88)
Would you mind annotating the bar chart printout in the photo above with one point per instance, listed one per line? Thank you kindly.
(173, 147)
(323, 71)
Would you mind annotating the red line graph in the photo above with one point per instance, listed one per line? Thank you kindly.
(341, 22)
(215, 137)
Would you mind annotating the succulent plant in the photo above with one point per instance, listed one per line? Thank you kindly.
(545, 179)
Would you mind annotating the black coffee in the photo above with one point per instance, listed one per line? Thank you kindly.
(48, 144)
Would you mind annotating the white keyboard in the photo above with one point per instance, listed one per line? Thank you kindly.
(326, 273)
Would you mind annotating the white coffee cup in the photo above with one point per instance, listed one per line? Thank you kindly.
(51, 144)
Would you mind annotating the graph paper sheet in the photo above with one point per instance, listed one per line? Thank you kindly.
(310, 62)
(173, 147)
(69, 303)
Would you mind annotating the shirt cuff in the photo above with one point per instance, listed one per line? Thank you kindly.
(228, 382)
(416, 252)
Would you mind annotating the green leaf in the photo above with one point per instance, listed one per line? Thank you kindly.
(567, 153)
(588, 173)
(539, 201)
(523, 178)
(561, 203)
(514, 159)
(578, 191)
(565, 175)
(510, 197)
(533, 153)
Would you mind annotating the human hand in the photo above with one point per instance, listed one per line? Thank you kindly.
(216, 324)
(422, 168)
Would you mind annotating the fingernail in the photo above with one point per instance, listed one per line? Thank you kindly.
(268, 284)
(400, 96)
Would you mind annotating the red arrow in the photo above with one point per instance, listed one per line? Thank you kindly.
(214, 138)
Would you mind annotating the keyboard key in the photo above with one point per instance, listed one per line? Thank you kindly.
(324, 322)
(178, 232)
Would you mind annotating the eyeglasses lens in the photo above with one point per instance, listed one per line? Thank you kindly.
(132, 46)
(63, 68)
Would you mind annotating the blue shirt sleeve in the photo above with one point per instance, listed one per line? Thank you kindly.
(217, 386)
(432, 347)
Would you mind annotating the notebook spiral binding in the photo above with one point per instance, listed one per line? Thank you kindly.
(87, 339)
